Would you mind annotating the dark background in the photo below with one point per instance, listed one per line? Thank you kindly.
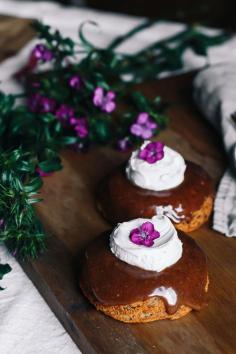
(211, 12)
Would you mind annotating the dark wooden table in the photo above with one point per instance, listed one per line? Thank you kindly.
(71, 220)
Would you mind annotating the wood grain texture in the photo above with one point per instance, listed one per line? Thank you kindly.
(69, 215)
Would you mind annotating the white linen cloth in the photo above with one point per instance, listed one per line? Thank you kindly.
(27, 324)
(215, 94)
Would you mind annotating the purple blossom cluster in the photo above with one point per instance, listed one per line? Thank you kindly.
(42, 52)
(105, 101)
(64, 113)
(80, 126)
(41, 104)
(38, 103)
(144, 127)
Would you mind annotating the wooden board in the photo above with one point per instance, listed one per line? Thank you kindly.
(69, 215)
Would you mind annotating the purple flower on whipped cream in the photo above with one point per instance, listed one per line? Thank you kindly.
(105, 101)
(144, 235)
(144, 127)
(152, 152)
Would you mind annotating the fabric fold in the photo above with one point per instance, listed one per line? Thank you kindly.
(215, 95)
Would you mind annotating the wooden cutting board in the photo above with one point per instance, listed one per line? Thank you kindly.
(69, 215)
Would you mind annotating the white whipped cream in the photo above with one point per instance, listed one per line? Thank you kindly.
(166, 251)
(164, 174)
(175, 214)
(168, 293)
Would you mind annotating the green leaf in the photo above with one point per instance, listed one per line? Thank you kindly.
(141, 102)
(34, 185)
(51, 165)
(68, 140)
(120, 39)
(82, 37)
(101, 131)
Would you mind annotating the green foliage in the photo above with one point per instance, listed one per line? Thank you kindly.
(61, 46)
(19, 186)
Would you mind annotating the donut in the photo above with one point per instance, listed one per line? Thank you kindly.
(189, 204)
(129, 293)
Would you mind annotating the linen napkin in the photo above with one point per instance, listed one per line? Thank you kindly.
(215, 94)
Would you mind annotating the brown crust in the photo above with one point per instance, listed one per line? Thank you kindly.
(199, 217)
(152, 309)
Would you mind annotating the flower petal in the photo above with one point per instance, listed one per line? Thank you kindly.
(135, 237)
(154, 235)
(159, 155)
(142, 118)
(111, 95)
(147, 227)
(146, 133)
(148, 242)
(151, 159)
(109, 106)
(136, 129)
(159, 145)
(151, 147)
(151, 125)
(143, 154)
(98, 96)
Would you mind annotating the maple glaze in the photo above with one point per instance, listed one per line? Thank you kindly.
(110, 281)
(120, 200)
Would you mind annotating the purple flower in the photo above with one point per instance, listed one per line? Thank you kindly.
(41, 173)
(1, 223)
(75, 82)
(152, 152)
(41, 104)
(144, 235)
(104, 101)
(144, 126)
(124, 144)
(41, 52)
(33, 102)
(64, 112)
(47, 105)
(80, 125)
